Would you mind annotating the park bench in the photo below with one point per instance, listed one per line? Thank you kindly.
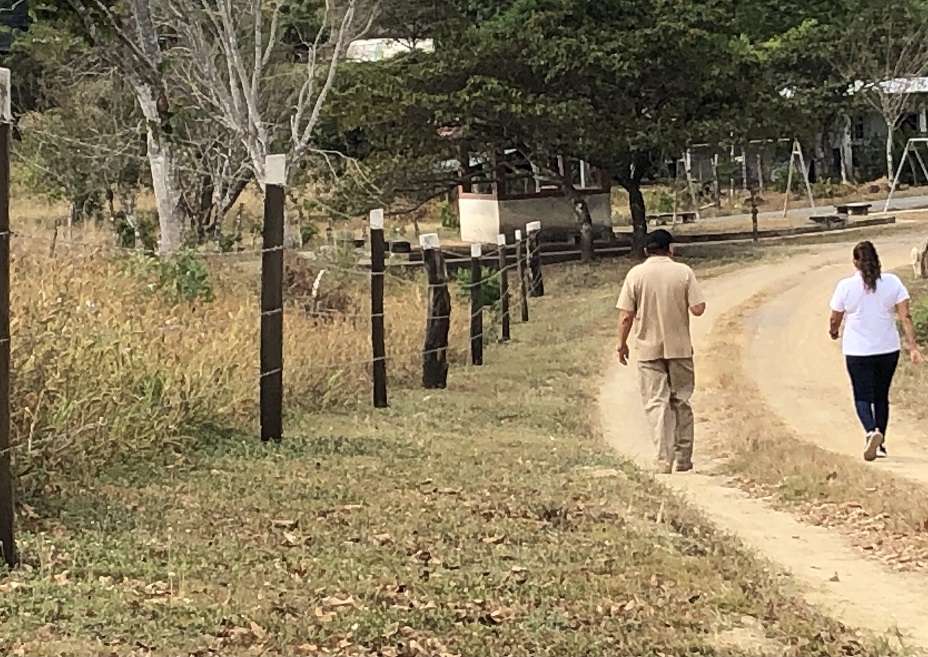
(854, 209)
(665, 218)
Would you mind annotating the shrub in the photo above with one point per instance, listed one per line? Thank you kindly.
(920, 319)
(490, 286)
(448, 215)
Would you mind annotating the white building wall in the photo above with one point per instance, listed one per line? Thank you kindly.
(480, 219)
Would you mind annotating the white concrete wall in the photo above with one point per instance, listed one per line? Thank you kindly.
(555, 212)
(479, 219)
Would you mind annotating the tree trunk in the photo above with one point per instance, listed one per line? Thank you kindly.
(168, 198)
(639, 217)
(847, 153)
(584, 218)
(890, 139)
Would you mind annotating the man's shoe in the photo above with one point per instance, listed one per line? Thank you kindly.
(874, 441)
(664, 468)
(684, 467)
(881, 452)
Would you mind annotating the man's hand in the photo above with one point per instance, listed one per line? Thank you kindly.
(623, 354)
(916, 356)
(833, 334)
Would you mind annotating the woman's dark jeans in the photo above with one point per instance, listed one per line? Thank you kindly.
(871, 378)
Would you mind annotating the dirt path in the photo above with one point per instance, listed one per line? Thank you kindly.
(847, 586)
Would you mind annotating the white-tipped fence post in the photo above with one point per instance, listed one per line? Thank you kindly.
(7, 506)
(438, 322)
(378, 332)
(272, 300)
(533, 228)
(476, 305)
(503, 287)
(522, 268)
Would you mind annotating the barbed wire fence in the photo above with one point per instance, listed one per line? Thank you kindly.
(521, 259)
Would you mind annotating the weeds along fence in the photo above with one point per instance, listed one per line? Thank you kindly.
(116, 354)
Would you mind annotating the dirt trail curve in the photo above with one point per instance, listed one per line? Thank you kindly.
(865, 594)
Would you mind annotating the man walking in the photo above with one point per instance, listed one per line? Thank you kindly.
(657, 298)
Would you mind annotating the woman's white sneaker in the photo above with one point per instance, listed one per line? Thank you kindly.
(874, 442)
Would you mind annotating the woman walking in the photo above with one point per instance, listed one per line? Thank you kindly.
(869, 302)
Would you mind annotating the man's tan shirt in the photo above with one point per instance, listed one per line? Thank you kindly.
(660, 293)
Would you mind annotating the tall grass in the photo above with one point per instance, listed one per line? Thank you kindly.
(109, 363)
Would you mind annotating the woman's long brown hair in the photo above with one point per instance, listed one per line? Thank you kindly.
(868, 262)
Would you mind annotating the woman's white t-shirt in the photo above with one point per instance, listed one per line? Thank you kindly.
(870, 319)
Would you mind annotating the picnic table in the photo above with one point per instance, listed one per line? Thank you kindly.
(854, 209)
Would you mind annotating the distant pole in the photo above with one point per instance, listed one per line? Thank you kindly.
(503, 287)
(378, 339)
(476, 305)
(533, 228)
(523, 282)
(754, 214)
(438, 323)
(272, 297)
(7, 506)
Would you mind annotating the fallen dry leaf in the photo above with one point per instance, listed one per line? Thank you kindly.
(493, 540)
(282, 523)
(333, 601)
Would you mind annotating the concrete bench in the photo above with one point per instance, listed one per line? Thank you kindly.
(854, 209)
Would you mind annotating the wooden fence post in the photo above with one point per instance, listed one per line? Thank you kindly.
(503, 287)
(533, 228)
(754, 214)
(435, 353)
(272, 297)
(7, 505)
(523, 276)
(476, 305)
(378, 340)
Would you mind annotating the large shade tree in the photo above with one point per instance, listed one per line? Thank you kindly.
(619, 84)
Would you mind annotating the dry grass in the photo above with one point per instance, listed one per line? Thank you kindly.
(489, 518)
(106, 364)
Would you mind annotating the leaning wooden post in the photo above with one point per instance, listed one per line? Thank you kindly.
(476, 305)
(435, 353)
(503, 287)
(754, 214)
(378, 338)
(7, 506)
(533, 228)
(272, 297)
(523, 275)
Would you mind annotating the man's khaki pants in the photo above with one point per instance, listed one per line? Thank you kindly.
(666, 387)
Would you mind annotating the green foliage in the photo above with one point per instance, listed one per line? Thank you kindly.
(182, 277)
(920, 319)
(661, 201)
(490, 286)
(308, 232)
(780, 177)
(449, 215)
(147, 225)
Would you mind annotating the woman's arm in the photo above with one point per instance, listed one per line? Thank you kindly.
(904, 311)
(835, 323)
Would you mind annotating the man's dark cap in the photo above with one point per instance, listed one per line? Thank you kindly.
(659, 240)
